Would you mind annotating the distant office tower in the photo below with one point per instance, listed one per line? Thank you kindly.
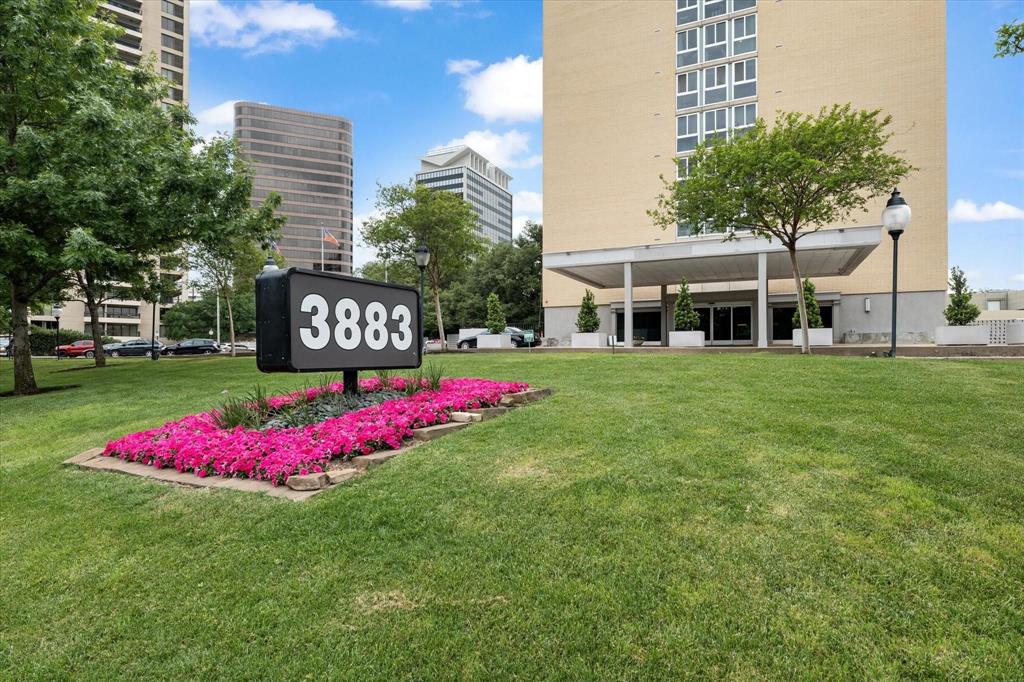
(158, 28)
(478, 181)
(307, 159)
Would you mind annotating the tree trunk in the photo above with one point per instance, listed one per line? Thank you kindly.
(437, 311)
(92, 303)
(805, 347)
(231, 325)
(24, 377)
(97, 336)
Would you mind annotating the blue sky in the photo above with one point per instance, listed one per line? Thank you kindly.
(416, 74)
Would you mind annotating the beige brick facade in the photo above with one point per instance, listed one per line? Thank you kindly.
(610, 118)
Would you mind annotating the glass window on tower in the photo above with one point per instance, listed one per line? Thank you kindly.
(715, 85)
(686, 47)
(686, 12)
(744, 34)
(744, 79)
(687, 91)
(687, 132)
(715, 45)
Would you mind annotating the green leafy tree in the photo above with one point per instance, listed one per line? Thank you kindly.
(57, 64)
(413, 215)
(587, 320)
(814, 320)
(960, 311)
(804, 173)
(190, 319)
(686, 318)
(495, 314)
(1010, 39)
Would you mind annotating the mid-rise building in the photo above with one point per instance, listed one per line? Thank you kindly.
(158, 28)
(478, 181)
(631, 86)
(306, 158)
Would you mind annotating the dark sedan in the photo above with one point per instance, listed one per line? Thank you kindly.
(517, 334)
(133, 348)
(192, 347)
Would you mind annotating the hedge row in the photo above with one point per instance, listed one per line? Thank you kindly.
(43, 341)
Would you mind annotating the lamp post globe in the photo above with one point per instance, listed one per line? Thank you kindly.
(56, 310)
(270, 265)
(895, 219)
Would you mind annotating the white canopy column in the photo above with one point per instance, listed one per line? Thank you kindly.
(627, 310)
(762, 300)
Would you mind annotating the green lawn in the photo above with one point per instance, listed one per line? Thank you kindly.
(662, 517)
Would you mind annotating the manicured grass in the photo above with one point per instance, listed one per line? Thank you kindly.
(664, 517)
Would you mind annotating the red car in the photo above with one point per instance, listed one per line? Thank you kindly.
(78, 349)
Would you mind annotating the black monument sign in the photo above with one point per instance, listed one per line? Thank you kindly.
(311, 321)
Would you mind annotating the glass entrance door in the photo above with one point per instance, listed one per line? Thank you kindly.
(727, 324)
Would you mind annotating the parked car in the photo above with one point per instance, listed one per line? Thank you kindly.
(78, 349)
(240, 347)
(192, 347)
(5, 346)
(134, 347)
(518, 339)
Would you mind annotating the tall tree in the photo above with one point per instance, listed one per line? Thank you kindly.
(55, 59)
(1010, 39)
(413, 215)
(804, 173)
(229, 256)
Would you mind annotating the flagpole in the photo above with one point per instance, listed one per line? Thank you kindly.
(323, 238)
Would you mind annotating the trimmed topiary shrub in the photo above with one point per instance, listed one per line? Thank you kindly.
(686, 318)
(587, 322)
(495, 314)
(960, 312)
(813, 311)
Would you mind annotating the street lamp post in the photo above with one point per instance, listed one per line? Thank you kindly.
(56, 311)
(422, 254)
(153, 354)
(895, 218)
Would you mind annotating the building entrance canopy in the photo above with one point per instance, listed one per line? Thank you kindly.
(711, 259)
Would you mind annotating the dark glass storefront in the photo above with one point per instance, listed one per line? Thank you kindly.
(782, 321)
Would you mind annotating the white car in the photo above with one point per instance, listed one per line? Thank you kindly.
(239, 348)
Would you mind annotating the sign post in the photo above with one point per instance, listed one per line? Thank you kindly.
(312, 321)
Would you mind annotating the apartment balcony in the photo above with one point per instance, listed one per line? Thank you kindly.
(126, 8)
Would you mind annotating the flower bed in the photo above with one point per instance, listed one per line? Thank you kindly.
(195, 443)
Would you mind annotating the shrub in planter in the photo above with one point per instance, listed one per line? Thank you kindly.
(587, 324)
(686, 320)
(587, 321)
(813, 310)
(960, 313)
(495, 314)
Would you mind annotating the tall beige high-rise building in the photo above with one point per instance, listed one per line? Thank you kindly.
(307, 159)
(632, 85)
(157, 28)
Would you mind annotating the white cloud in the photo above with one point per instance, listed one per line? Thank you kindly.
(506, 150)
(966, 211)
(216, 119)
(407, 5)
(528, 202)
(265, 26)
(509, 91)
(462, 66)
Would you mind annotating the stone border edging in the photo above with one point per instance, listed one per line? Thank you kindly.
(299, 488)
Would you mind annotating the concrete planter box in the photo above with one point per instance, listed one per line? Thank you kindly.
(1015, 333)
(819, 337)
(590, 340)
(494, 341)
(971, 335)
(686, 339)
